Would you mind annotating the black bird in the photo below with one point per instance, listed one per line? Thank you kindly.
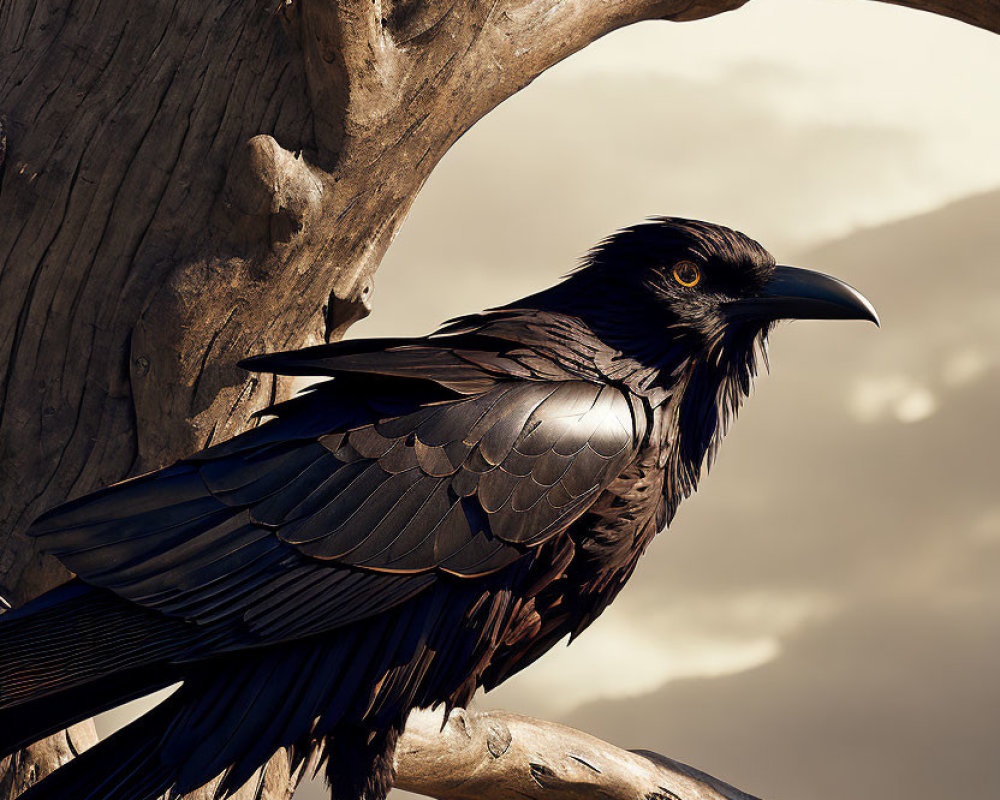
(429, 521)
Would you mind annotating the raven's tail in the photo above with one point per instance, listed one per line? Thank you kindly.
(76, 651)
(124, 765)
(232, 713)
(227, 719)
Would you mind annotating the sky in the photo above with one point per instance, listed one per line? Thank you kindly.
(823, 615)
(822, 618)
(857, 498)
(796, 121)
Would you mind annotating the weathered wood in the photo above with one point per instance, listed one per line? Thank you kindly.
(23, 769)
(186, 184)
(981, 13)
(496, 755)
(183, 184)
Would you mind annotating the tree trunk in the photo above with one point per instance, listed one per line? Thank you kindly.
(184, 184)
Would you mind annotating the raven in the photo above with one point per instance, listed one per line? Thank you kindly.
(427, 522)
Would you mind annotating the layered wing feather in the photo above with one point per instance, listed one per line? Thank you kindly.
(356, 498)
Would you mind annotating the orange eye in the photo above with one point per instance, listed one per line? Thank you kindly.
(686, 273)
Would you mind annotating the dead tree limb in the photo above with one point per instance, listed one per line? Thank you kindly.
(981, 13)
(496, 755)
(183, 184)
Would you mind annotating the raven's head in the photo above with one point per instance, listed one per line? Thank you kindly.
(704, 281)
(692, 303)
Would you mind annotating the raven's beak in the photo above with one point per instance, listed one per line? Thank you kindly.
(794, 293)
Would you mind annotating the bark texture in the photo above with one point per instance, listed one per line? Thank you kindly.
(496, 755)
(184, 184)
(981, 13)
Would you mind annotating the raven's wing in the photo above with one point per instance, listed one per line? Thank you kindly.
(467, 362)
(348, 504)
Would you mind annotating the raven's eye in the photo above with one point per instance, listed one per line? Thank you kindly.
(686, 273)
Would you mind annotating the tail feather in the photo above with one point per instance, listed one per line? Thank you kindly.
(26, 723)
(199, 733)
(76, 634)
(347, 694)
(76, 651)
(124, 766)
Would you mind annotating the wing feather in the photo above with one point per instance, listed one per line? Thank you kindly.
(305, 524)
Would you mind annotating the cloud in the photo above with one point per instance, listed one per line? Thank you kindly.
(825, 62)
(966, 366)
(908, 399)
(986, 527)
(888, 700)
(518, 199)
(896, 396)
(620, 661)
(633, 649)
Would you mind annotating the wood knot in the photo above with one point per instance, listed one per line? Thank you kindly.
(342, 312)
(498, 738)
(662, 793)
(266, 180)
(458, 719)
(541, 774)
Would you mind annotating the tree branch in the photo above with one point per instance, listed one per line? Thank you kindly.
(496, 755)
(981, 13)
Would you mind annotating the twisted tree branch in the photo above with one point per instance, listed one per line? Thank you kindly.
(981, 13)
(496, 755)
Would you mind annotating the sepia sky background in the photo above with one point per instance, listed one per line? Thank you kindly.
(823, 619)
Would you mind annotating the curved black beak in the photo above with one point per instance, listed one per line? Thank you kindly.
(794, 293)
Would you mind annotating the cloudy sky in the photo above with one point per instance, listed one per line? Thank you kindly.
(823, 618)
(796, 121)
